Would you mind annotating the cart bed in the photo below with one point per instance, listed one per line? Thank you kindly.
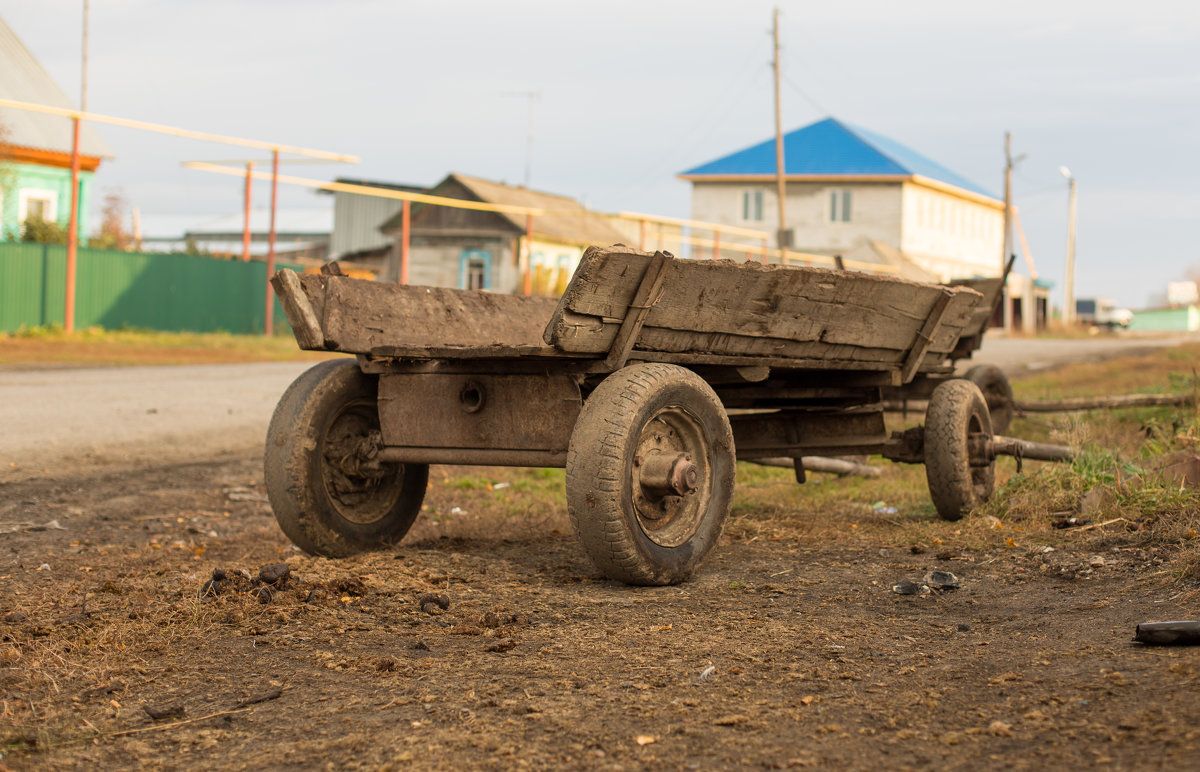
(652, 306)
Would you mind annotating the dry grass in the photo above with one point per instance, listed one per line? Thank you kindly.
(97, 346)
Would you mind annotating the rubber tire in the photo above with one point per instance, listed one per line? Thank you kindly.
(293, 460)
(954, 485)
(997, 392)
(600, 473)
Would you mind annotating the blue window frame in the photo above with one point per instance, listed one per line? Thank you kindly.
(475, 269)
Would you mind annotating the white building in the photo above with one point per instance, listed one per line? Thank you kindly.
(864, 197)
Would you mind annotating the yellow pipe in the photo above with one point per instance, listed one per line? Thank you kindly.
(177, 132)
(366, 190)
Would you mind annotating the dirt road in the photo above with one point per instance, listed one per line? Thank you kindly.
(125, 416)
(789, 650)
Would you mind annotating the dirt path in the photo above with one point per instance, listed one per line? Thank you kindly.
(789, 650)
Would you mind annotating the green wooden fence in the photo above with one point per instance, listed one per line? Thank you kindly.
(133, 289)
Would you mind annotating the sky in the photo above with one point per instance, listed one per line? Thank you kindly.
(632, 93)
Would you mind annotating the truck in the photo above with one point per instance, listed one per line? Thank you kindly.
(1102, 312)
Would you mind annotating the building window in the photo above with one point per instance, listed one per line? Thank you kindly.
(752, 205)
(839, 206)
(37, 205)
(475, 267)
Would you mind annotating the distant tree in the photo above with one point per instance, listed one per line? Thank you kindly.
(113, 233)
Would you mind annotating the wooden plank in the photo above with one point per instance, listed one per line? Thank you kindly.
(713, 305)
(648, 293)
(924, 338)
(299, 310)
(358, 316)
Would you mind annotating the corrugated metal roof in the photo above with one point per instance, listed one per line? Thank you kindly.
(831, 148)
(23, 78)
(565, 220)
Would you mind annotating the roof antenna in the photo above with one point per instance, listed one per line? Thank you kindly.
(533, 97)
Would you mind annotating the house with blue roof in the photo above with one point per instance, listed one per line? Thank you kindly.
(860, 195)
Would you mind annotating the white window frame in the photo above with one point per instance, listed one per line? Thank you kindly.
(841, 205)
(49, 196)
(751, 204)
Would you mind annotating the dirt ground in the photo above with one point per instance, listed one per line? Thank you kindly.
(790, 649)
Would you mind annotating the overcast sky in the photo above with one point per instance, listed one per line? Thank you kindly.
(631, 93)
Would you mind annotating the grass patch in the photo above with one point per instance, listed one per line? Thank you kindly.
(98, 346)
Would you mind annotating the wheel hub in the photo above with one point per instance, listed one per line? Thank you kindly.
(668, 474)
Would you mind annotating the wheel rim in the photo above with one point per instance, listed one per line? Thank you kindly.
(358, 486)
(671, 475)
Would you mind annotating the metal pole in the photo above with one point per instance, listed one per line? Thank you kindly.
(73, 223)
(781, 185)
(1069, 283)
(246, 219)
(527, 255)
(1006, 315)
(269, 309)
(405, 237)
(72, 232)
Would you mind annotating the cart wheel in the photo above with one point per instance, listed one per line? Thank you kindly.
(956, 420)
(998, 393)
(650, 474)
(330, 495)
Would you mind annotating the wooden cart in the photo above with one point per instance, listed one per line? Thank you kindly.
(644, 381)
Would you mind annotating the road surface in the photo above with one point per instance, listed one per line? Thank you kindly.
(56, 420)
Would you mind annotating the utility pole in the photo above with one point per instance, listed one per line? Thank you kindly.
(1008, 228)
(1069, 282)
(780, 182)
(73, 223)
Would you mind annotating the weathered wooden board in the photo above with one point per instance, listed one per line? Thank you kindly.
(357, 316)
(723, 307)
(982, 315)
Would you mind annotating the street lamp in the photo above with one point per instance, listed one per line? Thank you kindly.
(1069, 282)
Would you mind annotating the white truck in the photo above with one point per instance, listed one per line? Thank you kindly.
(1102, 312)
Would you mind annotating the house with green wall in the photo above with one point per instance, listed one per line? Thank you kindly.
(35, 148)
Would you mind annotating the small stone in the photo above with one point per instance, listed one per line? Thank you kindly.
(941, 581)
(264, 594)
(13, 617)
(1000, 729)
(908, 588)
(220, 574)
(963, 627)
(276, 574)
(504, 644)
(1097, 561)
(433, 603)
(490, 619)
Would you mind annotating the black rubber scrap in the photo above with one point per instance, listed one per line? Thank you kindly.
(1180, 632)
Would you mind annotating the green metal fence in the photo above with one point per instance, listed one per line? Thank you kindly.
(133, 289)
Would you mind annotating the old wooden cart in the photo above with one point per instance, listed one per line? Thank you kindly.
(641, 381)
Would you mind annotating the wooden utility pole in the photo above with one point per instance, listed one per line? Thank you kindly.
(1008, 228)
(781, 184)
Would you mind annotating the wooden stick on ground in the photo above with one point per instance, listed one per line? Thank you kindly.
(838, 466)
(174, 724)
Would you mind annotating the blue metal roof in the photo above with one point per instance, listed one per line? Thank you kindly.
(831, 148)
